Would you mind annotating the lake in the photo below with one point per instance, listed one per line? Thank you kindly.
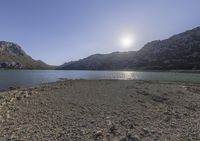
(16, 78)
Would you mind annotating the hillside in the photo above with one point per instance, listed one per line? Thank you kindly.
(111, 61)
(181, 51)
(13, 57)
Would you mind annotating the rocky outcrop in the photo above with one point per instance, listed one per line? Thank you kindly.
(14, 65)
(11, 49)
(180, 51)
(13, 57)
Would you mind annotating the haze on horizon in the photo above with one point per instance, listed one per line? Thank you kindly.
(57, 31)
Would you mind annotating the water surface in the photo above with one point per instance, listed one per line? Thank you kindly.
(15, 78)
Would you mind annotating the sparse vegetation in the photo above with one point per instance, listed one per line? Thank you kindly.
(13, 57)
(181, 51)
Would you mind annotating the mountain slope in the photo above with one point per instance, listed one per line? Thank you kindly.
(111, 61)
(13, 57)
(180, 51)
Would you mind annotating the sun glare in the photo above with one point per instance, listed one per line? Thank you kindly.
(127, 41)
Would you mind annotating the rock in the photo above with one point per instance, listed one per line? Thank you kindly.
(191, 107)
(130, 138)
(159, 98)
(113, 129)
(131, 126)
(173, 124)
(26, 96)
(143, 93)
(92, 121)
(167, 119)
(1, 97)
(98, 135)
(18, 98)
(108, 122)
(145, 130)
(8, 115)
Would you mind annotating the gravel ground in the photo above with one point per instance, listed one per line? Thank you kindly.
(104, 110)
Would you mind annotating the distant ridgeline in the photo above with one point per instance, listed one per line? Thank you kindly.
(180, 51)
(13, 57)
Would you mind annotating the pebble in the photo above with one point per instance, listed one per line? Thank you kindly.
(129, 137)
(98, 135)
(145, 130)
(18, 98)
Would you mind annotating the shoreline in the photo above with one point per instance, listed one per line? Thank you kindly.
(139, 70)
(102, 110)
(66, 79)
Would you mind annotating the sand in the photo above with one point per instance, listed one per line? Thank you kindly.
(106, 110)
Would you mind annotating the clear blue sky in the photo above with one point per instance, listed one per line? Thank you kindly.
(57, 31)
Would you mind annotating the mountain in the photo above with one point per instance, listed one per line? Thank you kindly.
(13, 57)
(181, 51)
(111, 61)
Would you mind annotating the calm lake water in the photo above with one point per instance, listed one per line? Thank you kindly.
(15, 78)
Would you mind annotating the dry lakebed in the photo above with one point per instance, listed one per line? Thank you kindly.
(104, 110)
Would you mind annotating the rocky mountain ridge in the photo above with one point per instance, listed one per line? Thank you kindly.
(13, 57)
(181, 51)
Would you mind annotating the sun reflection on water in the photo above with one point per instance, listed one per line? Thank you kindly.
(129, 75)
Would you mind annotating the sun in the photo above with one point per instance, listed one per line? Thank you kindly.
(127, 41)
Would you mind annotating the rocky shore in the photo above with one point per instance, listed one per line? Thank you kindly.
(106, 110)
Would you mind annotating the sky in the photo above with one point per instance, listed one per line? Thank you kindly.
(58, 31)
